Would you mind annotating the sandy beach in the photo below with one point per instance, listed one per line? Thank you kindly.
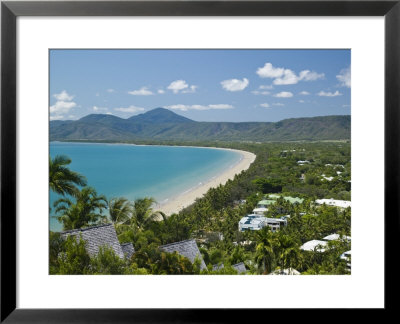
(179, 202)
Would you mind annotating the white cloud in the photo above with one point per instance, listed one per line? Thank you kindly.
(288, 77)
(199, 107)
(304, 93)
(130, 109)
(62, 107)
(235, 84)
(181, 86)
(284, 94)
(329, 94)
(257, 92)
(284, 76)
(110, 90)
(95, 108)
(63, 96)
(266, 87)
(264, 105)
(301, 101)
(278, 104)
(191, 89)
(344, 77)
(308, 75)
(268, 71)
(141, 92)
(56, 117)
(161, 91)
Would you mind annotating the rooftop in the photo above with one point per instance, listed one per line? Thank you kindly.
(314, 245)
(96, 237)
(187, 248)
(240, 267)
(333, 202)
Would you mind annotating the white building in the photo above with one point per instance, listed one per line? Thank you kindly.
(335, 237)
(347, 257)
(260, 211)
(314, 245)
(256, 222)
(333, 202)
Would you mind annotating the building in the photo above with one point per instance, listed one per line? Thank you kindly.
(347, 257)
(285, 272)
(334, 203)
(187, 248)
(314, 245)
(262, 206)
(335, 237)
(256, 222)
(239, 267)
(128, 250)
(100, 236)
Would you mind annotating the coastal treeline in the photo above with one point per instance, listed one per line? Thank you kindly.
(308, 170)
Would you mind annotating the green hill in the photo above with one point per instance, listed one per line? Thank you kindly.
(163, 124)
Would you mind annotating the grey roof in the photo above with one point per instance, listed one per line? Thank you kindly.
(128, 249)
(97, 236)
(218, 267)
(239, 267)
(186, 248)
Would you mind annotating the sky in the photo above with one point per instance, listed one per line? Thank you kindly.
(203, 85)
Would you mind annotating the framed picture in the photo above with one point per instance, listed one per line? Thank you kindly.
(36, 34)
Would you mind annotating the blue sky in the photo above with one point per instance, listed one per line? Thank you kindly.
(204, 85)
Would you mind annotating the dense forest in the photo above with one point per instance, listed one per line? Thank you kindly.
(213, 219)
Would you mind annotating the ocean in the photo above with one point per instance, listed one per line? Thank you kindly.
(137, 171)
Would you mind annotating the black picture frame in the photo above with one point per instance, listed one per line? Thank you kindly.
(10, 10)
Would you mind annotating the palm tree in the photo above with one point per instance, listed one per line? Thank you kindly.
(288, 251)
(143, 213)
(120, 210)
(86, 210)
(265, 249)
(61, 179)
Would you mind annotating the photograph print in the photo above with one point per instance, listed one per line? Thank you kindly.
(204, 162)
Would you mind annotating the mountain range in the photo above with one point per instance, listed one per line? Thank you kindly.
(163, 124)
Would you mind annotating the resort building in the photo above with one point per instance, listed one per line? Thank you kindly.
(128, 250)
(335, 237)
(256, 222)
(187, 248)
(347, 257)
(100, 236)
(335, 203)
(287, 272)
(314, 245)
(240, 268)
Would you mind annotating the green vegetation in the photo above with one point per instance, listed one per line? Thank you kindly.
(163, 125)
(213, 219)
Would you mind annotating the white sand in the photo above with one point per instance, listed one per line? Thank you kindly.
(175, 204)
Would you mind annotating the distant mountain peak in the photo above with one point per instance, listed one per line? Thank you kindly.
(160, 116)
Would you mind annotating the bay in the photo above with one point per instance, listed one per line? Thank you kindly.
(137, 171)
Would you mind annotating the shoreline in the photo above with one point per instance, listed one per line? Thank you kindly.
(184, 199)
(187, 198)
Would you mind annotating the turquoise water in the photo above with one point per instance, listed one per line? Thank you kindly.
(130, 171)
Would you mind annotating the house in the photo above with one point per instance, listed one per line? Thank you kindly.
(289, 271)
(187, 248)
(335, 237)
(239, 267)
(347, 257)
(314, 245)
(335, 203)
(262, 206)
(256, 222)
(99, 236)
(128, 249)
